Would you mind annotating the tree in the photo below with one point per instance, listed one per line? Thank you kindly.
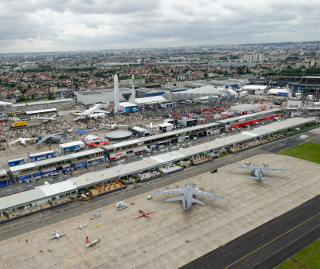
(21, 98)
(231, 68)
(206, 75)
(50, 96)
(289, 67)
(32, 96)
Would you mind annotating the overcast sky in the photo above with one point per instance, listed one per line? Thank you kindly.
(60, 25)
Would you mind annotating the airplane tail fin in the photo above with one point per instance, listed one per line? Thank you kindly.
(64, 135)
(263, 178)
(82, 109)
(196, 201)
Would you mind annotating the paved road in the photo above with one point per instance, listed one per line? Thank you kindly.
(38, 220)
(269, 244)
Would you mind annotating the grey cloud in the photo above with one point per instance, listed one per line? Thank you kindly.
(91, 24)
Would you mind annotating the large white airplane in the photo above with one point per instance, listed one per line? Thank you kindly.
(111, 126)
(22, 141)
(90, 111)
(53, 118)
(56, 235)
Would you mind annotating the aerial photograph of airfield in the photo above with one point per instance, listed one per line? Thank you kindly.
(170, 185)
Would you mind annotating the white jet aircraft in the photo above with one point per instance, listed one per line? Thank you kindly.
(111, 126)
(53, 118)
(80, 226)
(56, 235)
(90, 111)
(22, 141)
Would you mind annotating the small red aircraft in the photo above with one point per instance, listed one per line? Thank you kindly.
(146, 214)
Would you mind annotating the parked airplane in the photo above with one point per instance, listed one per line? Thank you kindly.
(53, 118)
(188, 198)
(56, 235)
(22, 141)
(146, 214)
(256, 170)
(80, 226)
(90, 111)
(53, 138)
(111, 126)
(93, 243)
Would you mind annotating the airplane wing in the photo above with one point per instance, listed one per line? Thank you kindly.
(52, 237)
(274, 169)
(102, 111)
(62, 234)
(140, 215)
(207, 194)
(44, 139)
(177, 190)
(15, 141)
(149, 212)
(243, 166)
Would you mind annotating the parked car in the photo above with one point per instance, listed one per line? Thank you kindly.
(214, 170)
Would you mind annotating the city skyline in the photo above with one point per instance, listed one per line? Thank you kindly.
(43, 26)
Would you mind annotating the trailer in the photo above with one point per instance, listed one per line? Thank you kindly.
(71, 147)
(41, 156)
(19, 124)
(15, 162)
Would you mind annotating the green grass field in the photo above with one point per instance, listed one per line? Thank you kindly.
(306, 258)
(308, 151)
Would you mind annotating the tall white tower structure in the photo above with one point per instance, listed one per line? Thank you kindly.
(116, 94)
(133, 95)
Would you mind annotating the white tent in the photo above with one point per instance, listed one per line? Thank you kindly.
(275, 91)
(207, 90)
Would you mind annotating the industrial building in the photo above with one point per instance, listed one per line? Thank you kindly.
(92, 97)
(307, 85)
(207, 90)
(254, 89)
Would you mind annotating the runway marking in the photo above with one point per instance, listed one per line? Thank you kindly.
(95, 225)
(133, 228)
(73, 245)
(272, 241)
(4, 260)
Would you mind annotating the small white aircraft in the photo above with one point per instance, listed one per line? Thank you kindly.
(22, 141)
(90, 111)
(56, 235)
(80, 226)
(111, 126)
(53, 118)
(92, 244)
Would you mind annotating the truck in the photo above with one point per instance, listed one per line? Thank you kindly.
(19, 123)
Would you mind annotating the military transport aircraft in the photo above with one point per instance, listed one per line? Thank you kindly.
(256, 170)
(188, 198)
(53, 138)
